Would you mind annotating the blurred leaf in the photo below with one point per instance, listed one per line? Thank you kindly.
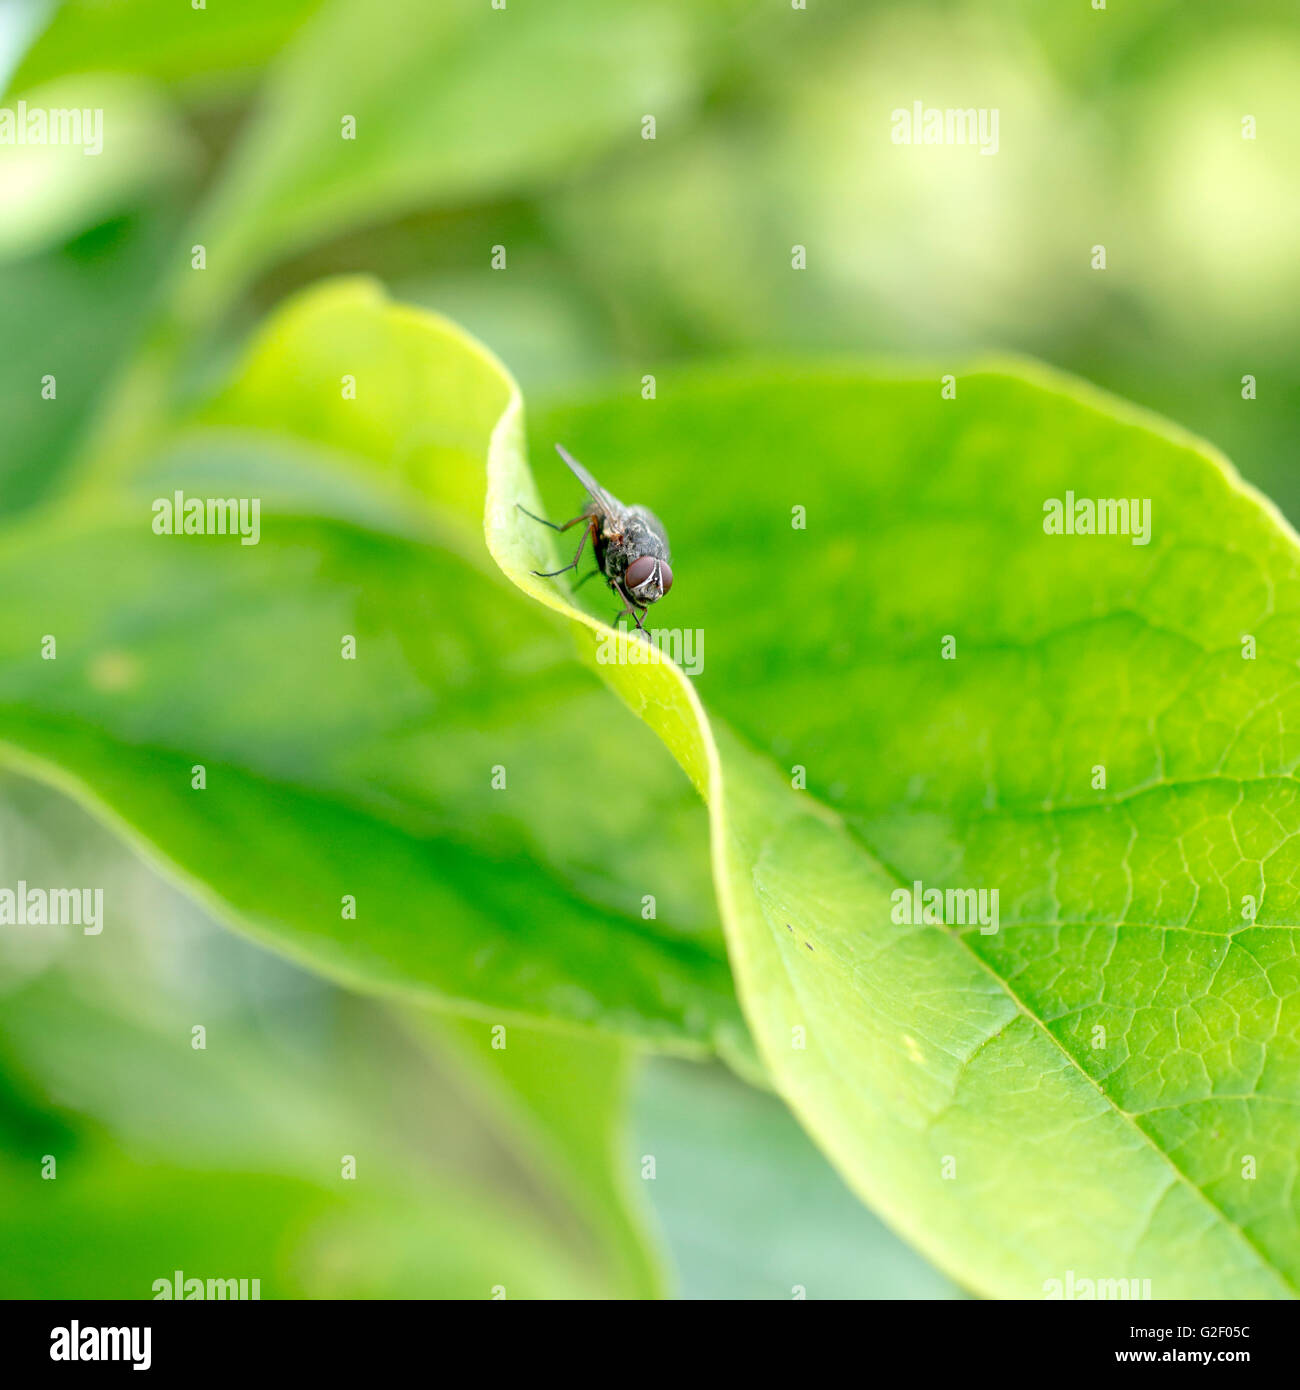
(1114, 1154)
(230, 1157)
(97, 1062)
(210, 50)
(76, 312)
(128, 144)
(373, 779)
(565, 1101)
(448, 1248)
(750, 1208)
(108, 1226)
(240, 1145)
(451, 102)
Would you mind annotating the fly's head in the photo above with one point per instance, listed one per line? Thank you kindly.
(647, 579)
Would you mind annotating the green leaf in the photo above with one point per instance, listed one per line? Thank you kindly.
(912, 1052)
(443, 780)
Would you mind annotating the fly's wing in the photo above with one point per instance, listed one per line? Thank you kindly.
(606, 503)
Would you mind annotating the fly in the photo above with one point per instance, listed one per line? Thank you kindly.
(630, 545)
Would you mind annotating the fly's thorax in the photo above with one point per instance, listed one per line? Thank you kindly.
(647, 532)
(619, 546)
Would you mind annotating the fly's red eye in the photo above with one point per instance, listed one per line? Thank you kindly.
(665, 576)
(639, 571)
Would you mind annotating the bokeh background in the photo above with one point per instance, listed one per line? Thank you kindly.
(522, 129)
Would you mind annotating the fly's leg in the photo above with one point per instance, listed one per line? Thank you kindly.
(629, 607)
(588, 533)
(553, 525)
